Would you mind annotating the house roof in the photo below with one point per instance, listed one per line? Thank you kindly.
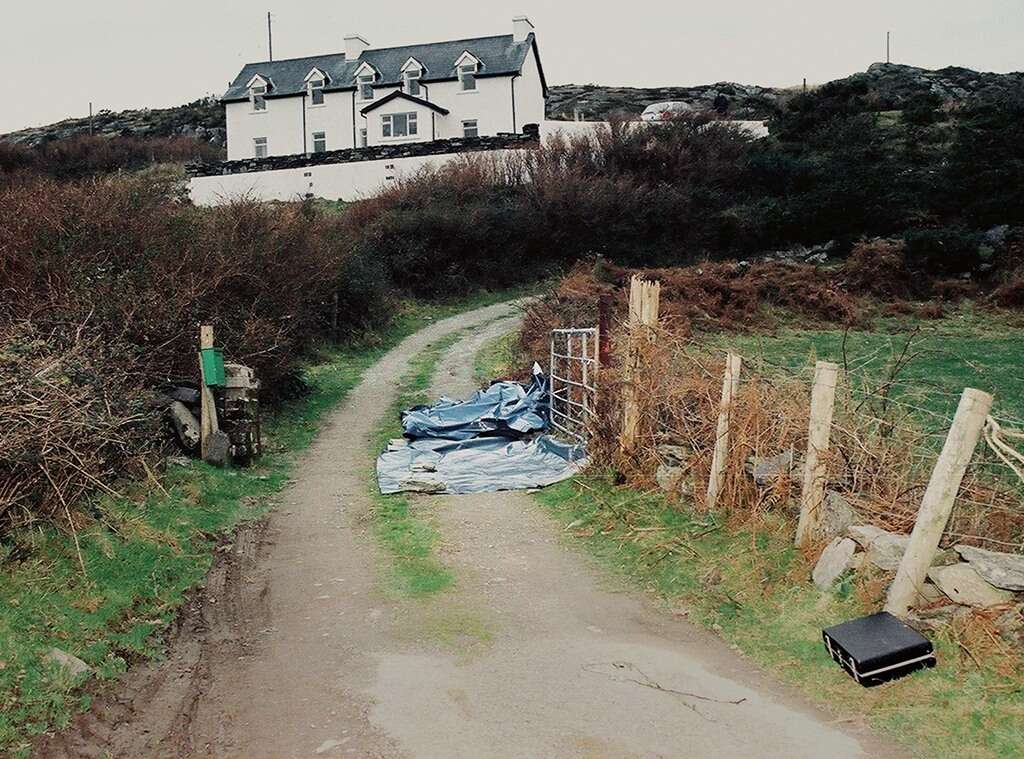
(404, 96)
(499, 56)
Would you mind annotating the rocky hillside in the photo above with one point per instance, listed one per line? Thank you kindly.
(888, 86)
(596, 102)
(203, 119)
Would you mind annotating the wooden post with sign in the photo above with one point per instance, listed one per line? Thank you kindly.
(208, 417)
(730, 389)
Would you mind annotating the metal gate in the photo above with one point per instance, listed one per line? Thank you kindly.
(573, 374)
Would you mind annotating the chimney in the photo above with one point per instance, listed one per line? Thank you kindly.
(521, 27)
(354, 47)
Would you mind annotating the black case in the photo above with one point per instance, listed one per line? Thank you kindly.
(878, 648)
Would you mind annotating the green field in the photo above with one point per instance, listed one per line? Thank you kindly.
(930, 362)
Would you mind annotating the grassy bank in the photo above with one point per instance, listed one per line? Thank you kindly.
(147, 548)
(750, 584)
(407, 536)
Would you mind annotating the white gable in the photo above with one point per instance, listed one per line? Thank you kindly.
(467, 57)
(315, 73)
(412, 65)
(258, 81)
(365, 69)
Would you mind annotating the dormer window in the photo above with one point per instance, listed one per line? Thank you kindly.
(316, 92)
(467, 67)
(258, 88)
(316, 81)
(366, 87)
(412, 73)
(258, 97)
(412, 82)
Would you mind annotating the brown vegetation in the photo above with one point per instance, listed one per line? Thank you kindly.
(102, 286)
(883, 443)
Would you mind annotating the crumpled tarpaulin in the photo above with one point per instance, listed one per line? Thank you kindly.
(505, 408)
(485, 443)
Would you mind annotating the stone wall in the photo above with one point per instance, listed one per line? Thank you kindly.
(373, 153)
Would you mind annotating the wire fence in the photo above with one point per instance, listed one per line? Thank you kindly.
(885, 438)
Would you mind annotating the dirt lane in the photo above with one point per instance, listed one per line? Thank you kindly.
(298, 649)
(275, 658)
(573, 664)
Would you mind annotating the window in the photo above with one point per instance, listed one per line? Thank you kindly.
(412, 82)
(319, 142)
(366, 87)
(470, 128)
(467, 76)
(258, 97)
(362, 138)
(259, 147)
(316, 91)
(398, 124)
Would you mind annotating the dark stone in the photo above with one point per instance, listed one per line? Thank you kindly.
(372, 153)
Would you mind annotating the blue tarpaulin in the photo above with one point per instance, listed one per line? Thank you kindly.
(490, 441)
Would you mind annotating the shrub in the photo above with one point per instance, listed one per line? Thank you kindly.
(944, 251)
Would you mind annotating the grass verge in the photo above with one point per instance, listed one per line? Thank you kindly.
(496, 358)
(750, 584)
(408, 538)
(147, 549)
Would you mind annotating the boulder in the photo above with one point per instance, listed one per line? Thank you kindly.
(885, 549)
(965, 586)
(937, 618)
(1010, 624)
(766, 470)
(837, 514)
(1003, 570)
(836, 559)
(673, 454)
(669, 477)
(68, 662)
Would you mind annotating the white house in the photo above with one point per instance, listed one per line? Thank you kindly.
(366, 97)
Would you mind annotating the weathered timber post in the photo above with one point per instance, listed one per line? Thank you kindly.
(937, 503)
(730, 389)
(604, 329)
(819, 430)
(644, 299)
(208, 409)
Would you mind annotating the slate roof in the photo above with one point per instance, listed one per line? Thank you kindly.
(499, 56)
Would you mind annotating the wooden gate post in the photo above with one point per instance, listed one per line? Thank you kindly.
(937, 503)
(730, 388)
(643, 314)
(208, 416)
(812, 494)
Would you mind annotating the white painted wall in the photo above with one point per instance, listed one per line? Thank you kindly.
(530, 104)
(282, 121)
(333, 118)
(341, 181)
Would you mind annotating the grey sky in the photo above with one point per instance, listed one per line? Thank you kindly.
(57, 56)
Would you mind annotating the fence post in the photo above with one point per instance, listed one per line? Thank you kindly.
(643, 313)
(812, 494)
(938, 499)
(730, 388)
